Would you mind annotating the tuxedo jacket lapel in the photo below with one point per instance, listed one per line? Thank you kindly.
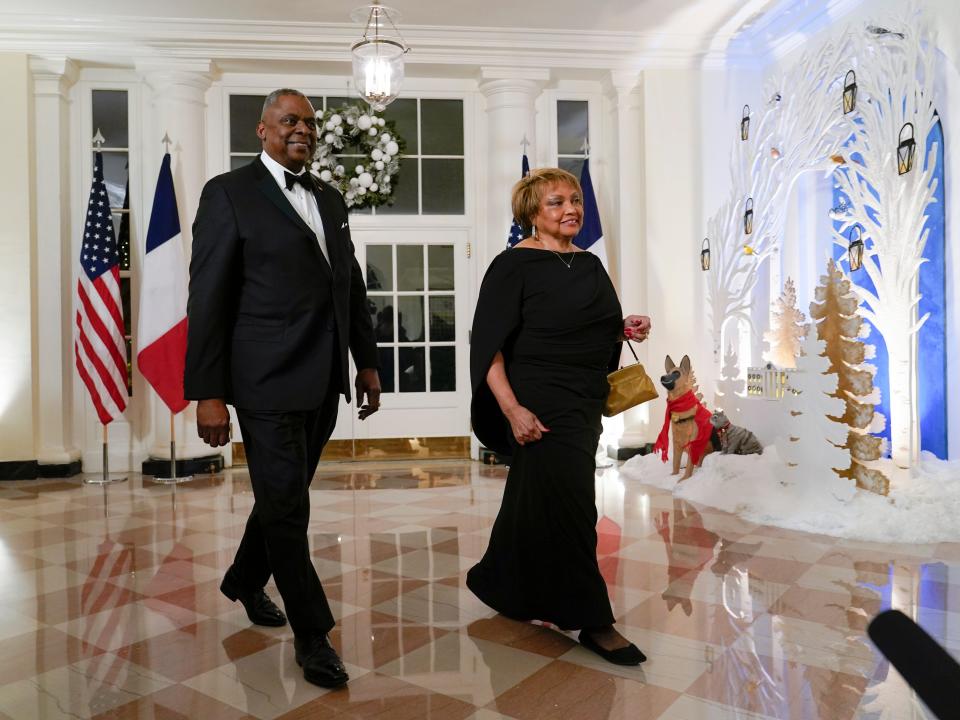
(329, 214)
(269, 187)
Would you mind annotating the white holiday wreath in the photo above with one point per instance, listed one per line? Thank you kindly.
(350, 130)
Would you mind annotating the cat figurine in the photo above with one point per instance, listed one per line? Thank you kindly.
(734, 440)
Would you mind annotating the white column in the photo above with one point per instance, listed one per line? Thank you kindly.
(631, 236)
(510, 94)
(177, 107)
(52, 79)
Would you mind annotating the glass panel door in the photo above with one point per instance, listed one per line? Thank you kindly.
(417, 300)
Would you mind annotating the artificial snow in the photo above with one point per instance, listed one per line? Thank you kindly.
(923, 505)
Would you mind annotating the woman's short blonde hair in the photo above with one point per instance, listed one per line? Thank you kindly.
(528, 192)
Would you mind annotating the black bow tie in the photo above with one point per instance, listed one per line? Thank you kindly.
(303, 178)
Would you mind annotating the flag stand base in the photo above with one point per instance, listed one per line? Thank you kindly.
(104, 477)
(103, 480)
(172, 478)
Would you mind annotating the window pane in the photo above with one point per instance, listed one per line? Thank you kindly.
(317, 103)
(441, 127)
(403, 112)
(381, 311)
(572, 127)
(115, 177)
(237, 161)
(244, 115)
(573, 165)
(440, 261)
(409, 267)
(386, 369)
(404, 190)
(442, 321)
(442, 187)
(410, 317)
(121, 229)
(110, 117)
(129, 345)
(125, 303)
(336, 102)
(443, 369)
(379, 267)
(412, 376)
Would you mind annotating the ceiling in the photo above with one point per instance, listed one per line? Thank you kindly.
(571, 34)
(638, 16)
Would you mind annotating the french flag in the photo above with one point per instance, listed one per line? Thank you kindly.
(590, 236)
(162, 325)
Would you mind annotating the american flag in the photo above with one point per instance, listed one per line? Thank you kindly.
(517, 233)
(100, 348)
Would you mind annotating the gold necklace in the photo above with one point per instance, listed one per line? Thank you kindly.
(560, 258)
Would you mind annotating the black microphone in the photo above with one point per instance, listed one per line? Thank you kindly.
(929, 669)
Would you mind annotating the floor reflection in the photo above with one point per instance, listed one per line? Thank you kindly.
(111, 608)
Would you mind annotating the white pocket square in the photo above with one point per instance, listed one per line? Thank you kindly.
(343, 226)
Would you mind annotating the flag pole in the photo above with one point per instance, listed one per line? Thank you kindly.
(173, 479)
(104, 478)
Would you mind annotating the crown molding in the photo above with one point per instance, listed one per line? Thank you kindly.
(789, 26)
(117, 40)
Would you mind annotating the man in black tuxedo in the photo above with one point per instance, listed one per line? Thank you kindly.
(276, 299)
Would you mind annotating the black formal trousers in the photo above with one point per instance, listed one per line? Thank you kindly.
(283, 450)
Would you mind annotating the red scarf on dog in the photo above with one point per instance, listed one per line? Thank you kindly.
(698, 445)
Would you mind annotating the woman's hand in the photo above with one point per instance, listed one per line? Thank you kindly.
(525, 425)
(636, 327)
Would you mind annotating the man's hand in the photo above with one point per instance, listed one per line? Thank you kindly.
(213, 422)
(368, 383)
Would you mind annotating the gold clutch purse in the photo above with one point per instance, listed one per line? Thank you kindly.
(629, 386)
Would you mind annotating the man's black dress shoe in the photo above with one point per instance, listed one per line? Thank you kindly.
(320, 662)
(260, 609)
(629, 655)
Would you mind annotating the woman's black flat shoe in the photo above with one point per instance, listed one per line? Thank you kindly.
(629, 655)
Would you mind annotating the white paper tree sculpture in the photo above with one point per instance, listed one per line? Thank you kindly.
(812, 443)
(799, 129)
(840, 327)
(788, 327)
(730, 386)
(896, 87)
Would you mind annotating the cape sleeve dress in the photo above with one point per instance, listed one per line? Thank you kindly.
(556, 318)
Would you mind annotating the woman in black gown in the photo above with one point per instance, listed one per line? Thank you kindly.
(546, 332)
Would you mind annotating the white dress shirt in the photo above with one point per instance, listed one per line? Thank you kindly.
(303, 202)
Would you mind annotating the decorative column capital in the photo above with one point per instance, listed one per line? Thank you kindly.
(177, 79)
(512, 87)
(52, 76)
(625, 84)
(497, 72)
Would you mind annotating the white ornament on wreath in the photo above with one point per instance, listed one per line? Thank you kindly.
(351, 130)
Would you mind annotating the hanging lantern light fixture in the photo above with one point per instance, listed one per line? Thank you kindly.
(745, 123)
(705, 255)
(906, 150)
(748, 217)
(855, 248)
(849, 92)
(378, 55)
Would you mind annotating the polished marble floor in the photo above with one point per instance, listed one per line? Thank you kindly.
(109, 607)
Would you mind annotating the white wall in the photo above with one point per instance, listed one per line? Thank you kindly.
(673, 112)
(17, 243)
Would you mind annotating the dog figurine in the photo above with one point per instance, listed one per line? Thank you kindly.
(687, 420)
(734, 440)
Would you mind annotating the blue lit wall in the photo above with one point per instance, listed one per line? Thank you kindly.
(932, 339)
